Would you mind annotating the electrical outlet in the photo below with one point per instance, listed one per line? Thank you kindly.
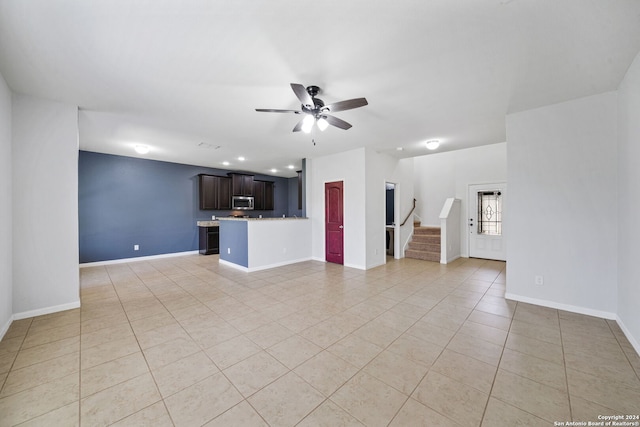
(539, 280)
(136, 247)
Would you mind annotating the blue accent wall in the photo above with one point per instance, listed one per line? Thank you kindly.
(234, 239)
(293, 198)
(127, 201)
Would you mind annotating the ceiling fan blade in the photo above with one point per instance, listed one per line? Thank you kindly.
(270, 110)
(298, 127)
(301, 93)
(349, 104)
(334, 121)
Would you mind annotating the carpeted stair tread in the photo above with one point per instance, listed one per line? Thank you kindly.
(425, 244)
(423, 255)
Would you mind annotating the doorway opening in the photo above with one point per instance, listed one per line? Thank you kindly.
(391, 231)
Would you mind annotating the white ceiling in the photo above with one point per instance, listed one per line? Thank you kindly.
(173, 74)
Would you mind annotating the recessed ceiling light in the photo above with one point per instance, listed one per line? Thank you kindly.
(399, 148)
(274, 170)
(241, 158)
(142, 149)
(433, 144)
(225, 163)
(291, 167)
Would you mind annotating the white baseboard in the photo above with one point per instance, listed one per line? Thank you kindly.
(46, 310)
(279, 264)
(560, 306)
(263, 267)
(142, 258)
(634, 343)
(580, 310)
(5, 327)
(451, 259)
(233, 265)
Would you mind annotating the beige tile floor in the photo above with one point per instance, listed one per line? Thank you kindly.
(183, 341)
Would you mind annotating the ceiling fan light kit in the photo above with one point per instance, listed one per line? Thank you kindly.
(316, 112)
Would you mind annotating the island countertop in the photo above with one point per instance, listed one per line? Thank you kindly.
(208, 223)
(276, 218)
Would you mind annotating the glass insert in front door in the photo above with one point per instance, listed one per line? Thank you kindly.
(490, 213)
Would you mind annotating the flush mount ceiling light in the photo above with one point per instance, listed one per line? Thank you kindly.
(241, 158)
(226, 163)
(141, 149)
(291, 167)
(433, 144)
(274, 170)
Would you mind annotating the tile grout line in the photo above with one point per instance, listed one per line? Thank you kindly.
(626, 356)
(564, 364)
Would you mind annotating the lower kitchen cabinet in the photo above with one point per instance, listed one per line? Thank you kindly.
(209, 240)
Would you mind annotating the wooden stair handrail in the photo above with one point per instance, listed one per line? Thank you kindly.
(410, 212)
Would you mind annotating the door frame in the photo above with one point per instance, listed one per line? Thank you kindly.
(502, 184)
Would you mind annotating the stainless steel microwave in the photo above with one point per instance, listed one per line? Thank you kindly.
(242, 203)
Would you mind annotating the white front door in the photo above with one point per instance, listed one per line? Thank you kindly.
(486, 210)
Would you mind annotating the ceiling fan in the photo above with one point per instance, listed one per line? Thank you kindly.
(316, 111)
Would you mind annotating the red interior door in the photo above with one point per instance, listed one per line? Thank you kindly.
(334, 226)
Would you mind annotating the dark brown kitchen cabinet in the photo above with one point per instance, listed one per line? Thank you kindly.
(209, 240)
(263, 195)
(268, 195)
(241, 184)
(215, 192)
(208, 192)
(224, 193)
(258, 195)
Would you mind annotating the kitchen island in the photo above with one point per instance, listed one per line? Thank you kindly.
(252, 244)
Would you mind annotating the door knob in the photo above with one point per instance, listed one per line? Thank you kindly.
(342, 226)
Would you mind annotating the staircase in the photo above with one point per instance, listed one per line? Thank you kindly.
(425, 244)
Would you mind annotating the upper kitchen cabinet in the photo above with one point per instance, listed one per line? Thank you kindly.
(215, 192)
(263, 195)
(269, 189)
(224, 193)
(241, 184)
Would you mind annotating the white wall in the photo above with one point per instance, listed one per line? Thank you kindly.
(6, 276)
(348, 167)
(380, 169)
(45, 206)
(275, 242)
(443, 175)
(563, 205)
(629, 202)
(364, 173)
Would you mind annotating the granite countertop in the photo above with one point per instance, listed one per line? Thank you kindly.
(208, 223)
(277, 218)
